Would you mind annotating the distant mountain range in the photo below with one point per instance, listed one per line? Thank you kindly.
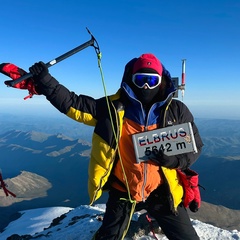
(49, 125)
(221, 137)
(57, 151)
(61, 160)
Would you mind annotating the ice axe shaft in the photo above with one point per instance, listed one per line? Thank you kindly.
(91, 42)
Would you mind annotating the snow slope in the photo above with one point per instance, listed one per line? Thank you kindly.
(81, 223)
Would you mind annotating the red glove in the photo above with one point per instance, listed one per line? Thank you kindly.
(192, 196)
(15, 72)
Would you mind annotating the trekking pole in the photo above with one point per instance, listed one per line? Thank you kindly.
(91, 42)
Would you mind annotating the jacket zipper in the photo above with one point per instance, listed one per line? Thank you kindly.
(145, 167)
(145, 164)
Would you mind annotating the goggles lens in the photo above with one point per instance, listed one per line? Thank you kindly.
(150, 79)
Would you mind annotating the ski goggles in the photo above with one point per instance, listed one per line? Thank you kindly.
(150, 79)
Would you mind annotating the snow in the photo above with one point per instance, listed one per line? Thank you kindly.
(82, 222)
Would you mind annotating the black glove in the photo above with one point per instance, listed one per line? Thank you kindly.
(44, 83)
(39, 70)
(194, 206)
(164, 160)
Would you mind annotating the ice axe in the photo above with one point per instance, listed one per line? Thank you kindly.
(91, 42)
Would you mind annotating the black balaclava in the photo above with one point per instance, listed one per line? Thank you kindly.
(147, 63)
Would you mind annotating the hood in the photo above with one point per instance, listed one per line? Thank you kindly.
(167, 84)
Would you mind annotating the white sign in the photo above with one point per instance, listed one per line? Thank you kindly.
(171, 140)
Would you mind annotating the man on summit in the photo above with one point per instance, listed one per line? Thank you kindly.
(144, 102)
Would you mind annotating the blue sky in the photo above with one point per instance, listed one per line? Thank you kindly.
(206, 33)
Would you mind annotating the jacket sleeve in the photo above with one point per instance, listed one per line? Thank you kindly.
(184, 115)
(78, 107)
